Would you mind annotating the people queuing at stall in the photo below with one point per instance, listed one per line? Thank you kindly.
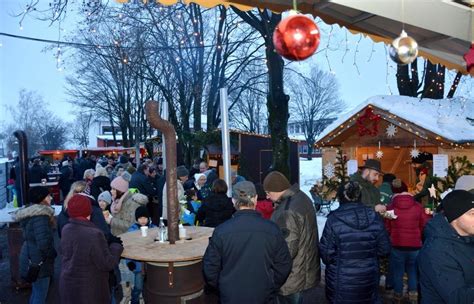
(270, 229)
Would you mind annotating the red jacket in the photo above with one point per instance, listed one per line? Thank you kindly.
(265, 207)
(407, 229)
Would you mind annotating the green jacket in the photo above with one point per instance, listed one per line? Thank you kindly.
(370, 194)
(385, 193)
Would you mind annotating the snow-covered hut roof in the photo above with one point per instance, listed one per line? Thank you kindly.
(451, 119)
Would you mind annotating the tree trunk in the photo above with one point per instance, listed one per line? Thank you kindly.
(277, 104)
(454, 86)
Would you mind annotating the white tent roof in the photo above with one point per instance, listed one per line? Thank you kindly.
(452, 119)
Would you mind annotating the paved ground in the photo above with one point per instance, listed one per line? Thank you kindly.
(13, 296)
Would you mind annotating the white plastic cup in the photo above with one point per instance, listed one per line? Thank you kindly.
(144, 230)
(182, 233)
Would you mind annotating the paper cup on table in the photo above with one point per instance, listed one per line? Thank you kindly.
(144, 230)
(182, 233)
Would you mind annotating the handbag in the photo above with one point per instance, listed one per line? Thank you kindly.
(33, 272)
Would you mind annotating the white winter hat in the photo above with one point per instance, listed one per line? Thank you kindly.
(465, 182)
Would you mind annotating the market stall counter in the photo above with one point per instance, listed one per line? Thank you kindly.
(174, 272)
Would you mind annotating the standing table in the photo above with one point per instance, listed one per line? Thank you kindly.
(174, 272)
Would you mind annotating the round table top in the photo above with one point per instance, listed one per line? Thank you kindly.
(147, 249)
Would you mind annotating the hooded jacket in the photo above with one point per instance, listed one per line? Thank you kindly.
(38, 245)
(295, 215)
(406, 230)
(353, 240)
(122, 220)
(446, 264)
(215, 210)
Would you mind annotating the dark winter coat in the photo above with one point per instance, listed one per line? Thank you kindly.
(247, 259)
(295, 215)
(99, 185)
(97, 218)
(37, 173)
(446, 264)
(370, 193)
(353, 240)
(215, 210)
(86, 260)
(38, 246)
(66, 179)
(406, 230)
(144, 184)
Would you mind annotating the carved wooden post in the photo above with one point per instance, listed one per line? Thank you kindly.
(153, 117)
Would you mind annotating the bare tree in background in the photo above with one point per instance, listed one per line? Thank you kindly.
(249, 112)
(315, 101)
(80, 129)
(43, 129)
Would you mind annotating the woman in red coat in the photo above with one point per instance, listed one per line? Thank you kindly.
(405, 234)
(86, 258)
(264, 205)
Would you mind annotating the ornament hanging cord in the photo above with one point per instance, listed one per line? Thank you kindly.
(295, 5)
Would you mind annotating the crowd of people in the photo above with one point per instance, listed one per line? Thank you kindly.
(265, 247)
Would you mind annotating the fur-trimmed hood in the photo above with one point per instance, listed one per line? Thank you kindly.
(34, 210)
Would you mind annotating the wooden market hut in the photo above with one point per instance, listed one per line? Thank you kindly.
(444, 126)
(252, 154)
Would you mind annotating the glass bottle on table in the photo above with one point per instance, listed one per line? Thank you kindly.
(162, 231)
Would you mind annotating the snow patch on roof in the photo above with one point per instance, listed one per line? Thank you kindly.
(449, 118)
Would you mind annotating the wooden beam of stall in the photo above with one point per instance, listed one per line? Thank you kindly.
(152, 115)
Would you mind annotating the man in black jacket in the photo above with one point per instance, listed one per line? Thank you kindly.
(446, 261)
(141, 181)
(247, 258)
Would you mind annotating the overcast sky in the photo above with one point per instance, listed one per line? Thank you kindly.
(362, 71)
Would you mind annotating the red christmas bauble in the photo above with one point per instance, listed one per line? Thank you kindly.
(296, 37)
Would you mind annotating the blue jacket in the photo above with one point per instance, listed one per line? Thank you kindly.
(135, 227)
(446, 264)
(353, 240)
(247, 259)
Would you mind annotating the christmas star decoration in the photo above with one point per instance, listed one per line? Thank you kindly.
(391, 130)
(379, 154)
(414, 153)
(432, 191)
(329, 170)
(469, 58)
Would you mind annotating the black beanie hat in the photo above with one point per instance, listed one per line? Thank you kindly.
(38, 194)
(456, 203)
(141, 211)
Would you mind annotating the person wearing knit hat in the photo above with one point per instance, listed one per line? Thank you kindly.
(79, 207)
(121, 182)
(104, 200)
(232, 252)
(37, 224)
(181, 171)
(292, 207)
(39, 195)
(142, 218)
(398, 186)
(87, 256)
(445, 262)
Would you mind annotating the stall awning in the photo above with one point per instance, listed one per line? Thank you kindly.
(442, 28)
